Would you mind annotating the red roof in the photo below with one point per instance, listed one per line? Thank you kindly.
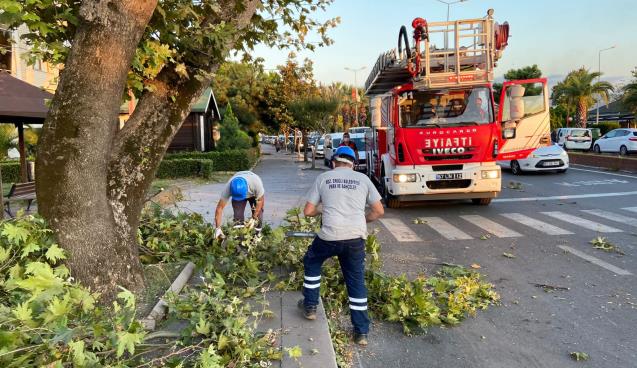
(19, 99)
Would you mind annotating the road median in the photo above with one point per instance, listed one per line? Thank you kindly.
(609, 162)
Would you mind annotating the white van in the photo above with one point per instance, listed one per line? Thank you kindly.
(333, 140)
(574, 138)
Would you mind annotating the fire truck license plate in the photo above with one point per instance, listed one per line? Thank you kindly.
(551, 163)
(448, 176)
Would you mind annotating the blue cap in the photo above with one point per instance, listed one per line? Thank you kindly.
(345, 152)
(239, 189)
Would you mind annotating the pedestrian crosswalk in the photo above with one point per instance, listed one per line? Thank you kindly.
(513, 224)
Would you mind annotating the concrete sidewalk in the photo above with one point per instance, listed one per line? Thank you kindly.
(286, 182)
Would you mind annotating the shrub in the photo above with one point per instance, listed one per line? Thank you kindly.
(605, 127)
(234, 160)
(184, 168)
(10, 172)
(232, 137)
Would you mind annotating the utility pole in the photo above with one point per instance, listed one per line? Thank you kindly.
(356, 86)
(599, 70)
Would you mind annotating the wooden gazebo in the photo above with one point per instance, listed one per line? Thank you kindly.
(21, 103)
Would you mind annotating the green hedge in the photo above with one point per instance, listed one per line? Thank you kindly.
(185, 167)
(234, 160)
(10, 172)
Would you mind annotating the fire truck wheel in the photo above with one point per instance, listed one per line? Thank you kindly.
(515, 168)
(481, 201)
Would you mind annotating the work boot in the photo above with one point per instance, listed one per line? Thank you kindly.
(360, 339)
(308, 312)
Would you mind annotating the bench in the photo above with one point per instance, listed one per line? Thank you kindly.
(20, 192)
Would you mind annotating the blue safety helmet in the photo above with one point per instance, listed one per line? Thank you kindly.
(239, 189)
(345, 152)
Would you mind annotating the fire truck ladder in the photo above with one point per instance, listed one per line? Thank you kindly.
(472, 48)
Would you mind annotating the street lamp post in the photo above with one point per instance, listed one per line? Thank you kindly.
(355, 86)
(599, 70)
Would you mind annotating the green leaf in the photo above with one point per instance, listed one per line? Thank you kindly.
(4, 254)
(15, 234)
(126, 341)
(579, 356)
(203, 326)
(294, 352)
(210, 359)
(127, 297)
(23, 312)
(77, 350)
(55, 253)
(30, 248)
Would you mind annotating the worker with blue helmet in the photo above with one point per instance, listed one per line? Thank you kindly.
(341, 196)
(244, 188)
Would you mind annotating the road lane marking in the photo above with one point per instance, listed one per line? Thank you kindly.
(575, 196)
(631, 209)
(595, 260)
(604, 172)
(587, 224)
(613, 216)
(536, 224)
(446, 229)
(491, 226)
(400, 230)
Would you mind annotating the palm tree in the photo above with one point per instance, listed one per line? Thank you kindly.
(580, 89)
(630, 94)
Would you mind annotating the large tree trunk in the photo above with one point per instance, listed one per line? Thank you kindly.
(93, 177)
(76, 143)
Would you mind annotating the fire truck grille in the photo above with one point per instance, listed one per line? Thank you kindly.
(448, 184)
(448, 157)
(447, 167)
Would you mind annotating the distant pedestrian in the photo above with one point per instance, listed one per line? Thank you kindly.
(245, 187)
(343, 194)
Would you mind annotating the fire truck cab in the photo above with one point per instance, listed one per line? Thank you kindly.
(436, 132)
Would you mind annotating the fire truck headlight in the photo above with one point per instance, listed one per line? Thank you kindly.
(404, 178)
(490, 174)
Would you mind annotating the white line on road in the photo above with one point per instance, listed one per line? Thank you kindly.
(400, 230)
(613, 217)
(587, 224)
(446, 229)
(575, 196)
(491, 226)
(631, 209)
(595, 260)
(605, 173)
(536, 224)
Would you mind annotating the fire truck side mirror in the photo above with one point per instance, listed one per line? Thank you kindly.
(375, 107)
(516, 106)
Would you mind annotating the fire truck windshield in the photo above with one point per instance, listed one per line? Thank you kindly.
(443, 108)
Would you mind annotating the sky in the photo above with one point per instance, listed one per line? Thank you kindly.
(557, 35)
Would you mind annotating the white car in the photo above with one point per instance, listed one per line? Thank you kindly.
(574, 138)
(320, 151)
(333, 140)
(547, 158)
(622, 141)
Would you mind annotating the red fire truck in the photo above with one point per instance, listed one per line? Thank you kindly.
(436, 132)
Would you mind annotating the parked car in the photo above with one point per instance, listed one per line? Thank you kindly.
(622, 141)
(319, 147)
(333, 140)
(574, 138)
(546, 158)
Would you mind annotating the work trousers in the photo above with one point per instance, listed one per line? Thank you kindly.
(239, 209)
(351, 256)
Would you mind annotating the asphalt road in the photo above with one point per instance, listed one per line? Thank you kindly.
(547, 223)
